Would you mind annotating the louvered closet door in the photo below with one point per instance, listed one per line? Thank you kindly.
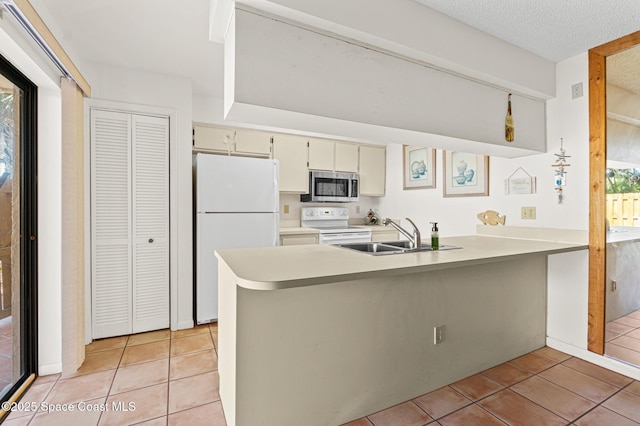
(111, 223)
(150, 223)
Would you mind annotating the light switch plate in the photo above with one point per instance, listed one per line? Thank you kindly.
(528, 212)
(576, 91)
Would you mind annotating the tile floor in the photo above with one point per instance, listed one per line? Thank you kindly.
(171, 378)
(155, 378)
(6, 352)
(544, 387)
(622, 338)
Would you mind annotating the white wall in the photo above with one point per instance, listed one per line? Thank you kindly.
(281, 73)
(425, 34)
(566, 118)
(152, 90)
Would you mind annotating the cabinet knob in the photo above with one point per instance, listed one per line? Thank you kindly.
(150, 240)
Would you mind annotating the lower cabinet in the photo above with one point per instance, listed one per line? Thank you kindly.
(298, 239)
(386, 235)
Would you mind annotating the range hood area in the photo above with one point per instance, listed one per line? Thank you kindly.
(285, 74)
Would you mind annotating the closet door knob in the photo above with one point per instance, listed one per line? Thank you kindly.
(150, 240)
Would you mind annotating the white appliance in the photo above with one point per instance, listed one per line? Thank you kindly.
(332, 187)
(236, 206)
(333, 224)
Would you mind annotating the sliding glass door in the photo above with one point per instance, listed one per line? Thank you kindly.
(18, 263)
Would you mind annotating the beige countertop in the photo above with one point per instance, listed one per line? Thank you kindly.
(623, 234)
(295, 230)
(275, 268)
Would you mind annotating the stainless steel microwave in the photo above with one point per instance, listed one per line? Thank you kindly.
(332, 187)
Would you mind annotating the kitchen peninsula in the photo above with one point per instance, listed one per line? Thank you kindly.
(323, 335)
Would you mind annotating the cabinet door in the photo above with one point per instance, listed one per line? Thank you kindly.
(111, 277)
(372, 170)
(150, 184)
(296, 240)
(384, 236)
(291, 152)
(346, 157)
(253, 143)
(212, 138)
(320, 154)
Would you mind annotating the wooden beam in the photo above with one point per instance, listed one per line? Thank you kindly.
(618, 45)
(597, 201)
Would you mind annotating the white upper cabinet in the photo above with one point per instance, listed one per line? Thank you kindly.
(297, 155)
(211, 138)
(248, 142)
(321, 154)
(333, 156)
(346, 157)
(291, 152)
(372, 170)
(232, 141)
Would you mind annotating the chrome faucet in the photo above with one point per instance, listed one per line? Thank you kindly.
(414, 239)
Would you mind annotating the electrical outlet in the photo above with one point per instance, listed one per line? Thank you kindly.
(285, 210)
(528, 212)
(438, 334)
(357, 209)
(576, 91)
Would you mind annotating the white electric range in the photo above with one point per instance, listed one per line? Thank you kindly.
(333, 224)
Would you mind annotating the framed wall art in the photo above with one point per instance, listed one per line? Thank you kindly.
(465, 174)
(419, 167)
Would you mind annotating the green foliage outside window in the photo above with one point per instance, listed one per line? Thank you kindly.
(620, 181)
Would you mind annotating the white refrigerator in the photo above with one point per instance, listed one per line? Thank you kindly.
(236, 206)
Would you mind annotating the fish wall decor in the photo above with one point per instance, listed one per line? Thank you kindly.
(492, 217)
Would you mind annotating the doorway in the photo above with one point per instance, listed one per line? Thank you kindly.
(622, 287)
(18, 242)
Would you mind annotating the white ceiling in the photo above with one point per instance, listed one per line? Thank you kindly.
(170, 37)
(162, 36)
(556, 30)
(622, 69)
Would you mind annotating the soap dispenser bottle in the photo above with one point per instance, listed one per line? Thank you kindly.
(435, 241)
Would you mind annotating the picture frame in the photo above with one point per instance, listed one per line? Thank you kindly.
(418, 167)
(465, 175)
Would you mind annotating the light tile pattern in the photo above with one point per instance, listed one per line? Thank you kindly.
(544, 387)
(622, 338)
(154, 378)
(170, 378)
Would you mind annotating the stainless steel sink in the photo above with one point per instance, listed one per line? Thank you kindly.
(389, 247)
(371, 248)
